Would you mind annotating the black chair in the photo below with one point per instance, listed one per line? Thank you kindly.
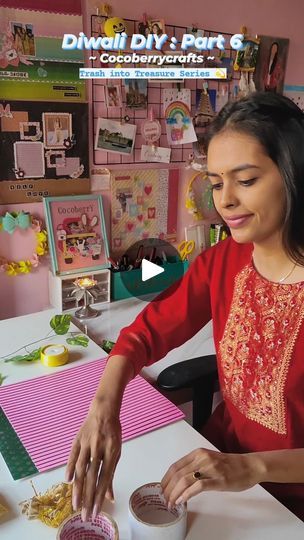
(198, 374)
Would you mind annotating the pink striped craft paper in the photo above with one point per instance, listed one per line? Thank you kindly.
(46, 412)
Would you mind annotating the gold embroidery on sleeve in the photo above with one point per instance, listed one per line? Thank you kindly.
(257, 344)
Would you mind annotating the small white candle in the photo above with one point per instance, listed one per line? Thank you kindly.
(54, 350)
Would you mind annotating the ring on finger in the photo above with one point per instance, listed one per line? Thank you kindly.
(94, 459)
(197, 475)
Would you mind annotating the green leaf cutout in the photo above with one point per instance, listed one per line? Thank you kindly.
(81, 340)
(2, 378)
(61, 324)
(30, 357)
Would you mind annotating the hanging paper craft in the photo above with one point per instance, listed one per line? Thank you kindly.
(151, 129)
(114, 26)
(204, 113)
(77, 233)
(140, 206)
(151, 132)
(174, 94)
(246, 57)
(113, 136)
(179, 125)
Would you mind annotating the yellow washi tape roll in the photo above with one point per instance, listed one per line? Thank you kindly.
(54, 355)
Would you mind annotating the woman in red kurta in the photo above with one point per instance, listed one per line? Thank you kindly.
(252, 287)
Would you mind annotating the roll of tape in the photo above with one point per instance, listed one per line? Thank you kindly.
(103, 527)
(150, 517)
(54, 355)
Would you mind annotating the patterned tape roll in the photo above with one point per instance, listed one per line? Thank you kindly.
(54, 355)
(150, 518)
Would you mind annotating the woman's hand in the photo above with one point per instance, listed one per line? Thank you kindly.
(218, 472)
(92, 462)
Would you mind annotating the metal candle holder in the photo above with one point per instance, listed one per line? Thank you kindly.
(85, 290)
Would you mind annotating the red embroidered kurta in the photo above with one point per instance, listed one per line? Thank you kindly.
(259, 338)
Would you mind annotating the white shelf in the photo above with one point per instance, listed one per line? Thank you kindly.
(60, 288)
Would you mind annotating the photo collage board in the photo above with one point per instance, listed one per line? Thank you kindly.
(43, 142)
(145, 121)
(43, 107)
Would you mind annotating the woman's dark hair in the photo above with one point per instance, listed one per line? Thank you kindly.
(278, 124)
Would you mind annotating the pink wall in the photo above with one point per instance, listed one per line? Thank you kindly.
(26, 293)
(29, 293)
(270, 17)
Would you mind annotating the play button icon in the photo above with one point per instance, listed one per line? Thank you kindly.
(149, 270)
(148, 267)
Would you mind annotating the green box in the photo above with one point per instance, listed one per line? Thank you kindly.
(173, 271)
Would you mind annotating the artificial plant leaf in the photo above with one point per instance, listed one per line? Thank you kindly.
(81, 340)
(2, 378)
(60, 323)
(18, 358)
(30, 357)
(34, 355)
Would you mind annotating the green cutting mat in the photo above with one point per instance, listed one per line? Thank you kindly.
(13, 451)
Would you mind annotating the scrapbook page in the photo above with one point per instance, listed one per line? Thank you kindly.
(140, 206)
(42, 142)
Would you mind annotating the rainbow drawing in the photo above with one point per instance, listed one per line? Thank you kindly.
(178, 113)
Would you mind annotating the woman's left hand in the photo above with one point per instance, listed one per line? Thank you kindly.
(218, 472)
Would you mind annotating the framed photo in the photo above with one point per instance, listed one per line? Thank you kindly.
(57, 129)
(112, 136)
(271, 64)
(113, 96)
(77, 233)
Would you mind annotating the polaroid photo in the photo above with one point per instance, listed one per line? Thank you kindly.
(112, 136)
(57, 129)
(24, 38)
(113, 96)
(136, 93)
(156, 26)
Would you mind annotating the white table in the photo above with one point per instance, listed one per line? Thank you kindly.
(250, 515)
(117, 315)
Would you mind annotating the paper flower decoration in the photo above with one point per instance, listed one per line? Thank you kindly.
(9, 223)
